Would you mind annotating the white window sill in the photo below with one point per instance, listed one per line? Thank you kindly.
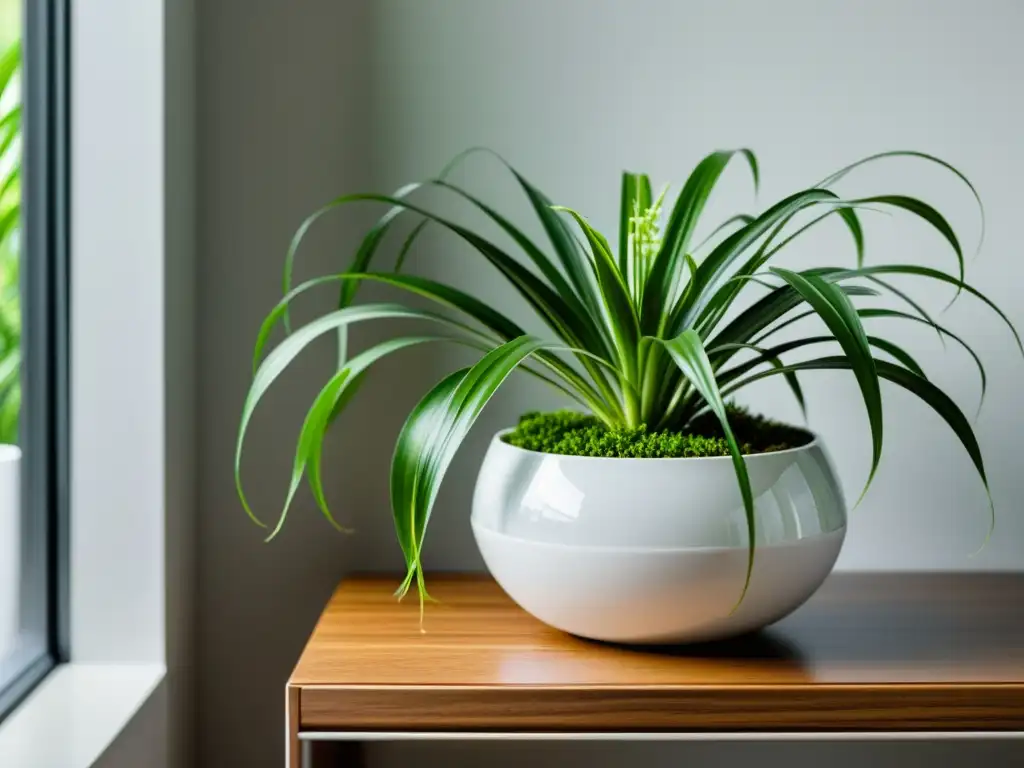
(75, 714)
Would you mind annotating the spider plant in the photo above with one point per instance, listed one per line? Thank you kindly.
(648, 331)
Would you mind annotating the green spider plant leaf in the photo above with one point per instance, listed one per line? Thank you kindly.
(416, 231)
(432, 435)
(852, 221)
(562, 313)
(900, 354)
(872, 312)
(922, 313)
(715, 308)
(575, 328)
(410, 239)
(313, 464)
(770, 356)
(847, 212)
(934, 397)
(833, 274)
(739, 218)
(687, 351)
(546, 266)
(681, 225)
(278, 360)
(794, 386)
(448, 296)
(760, 315)
(842, 320)
(368, 245)
(445, 295)
(550, 305)
(325, 408)
(573, 260)
(842, 172)
(595, 333)
(712, 269)
(427, 420)
(933, 274)
(926, 212)
(618, 311)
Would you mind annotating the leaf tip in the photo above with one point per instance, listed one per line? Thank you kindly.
(341, 528)
(403, 589)
(749, 575)
(991, 524)
(867, 485)
(245, 502)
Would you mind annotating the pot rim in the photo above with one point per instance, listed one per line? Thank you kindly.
(814, 442)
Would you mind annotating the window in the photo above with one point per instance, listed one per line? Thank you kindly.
(33, 342)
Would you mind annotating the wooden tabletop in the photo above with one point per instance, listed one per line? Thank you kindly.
(870, 652)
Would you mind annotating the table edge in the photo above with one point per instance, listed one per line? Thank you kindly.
(658, 736)
(696, 708)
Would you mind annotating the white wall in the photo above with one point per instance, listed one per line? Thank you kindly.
(282, 126)
(300, 101)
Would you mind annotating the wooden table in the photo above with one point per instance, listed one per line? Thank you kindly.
(879, 655)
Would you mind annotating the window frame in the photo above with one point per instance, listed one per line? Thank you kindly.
(127, 683)
(44, 422)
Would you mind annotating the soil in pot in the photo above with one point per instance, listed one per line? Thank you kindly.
(571, 433)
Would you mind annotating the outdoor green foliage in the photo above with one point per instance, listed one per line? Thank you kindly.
(649, 331)
(10, 230)
(573, 433)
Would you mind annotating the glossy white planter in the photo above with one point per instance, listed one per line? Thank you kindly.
(655, 550)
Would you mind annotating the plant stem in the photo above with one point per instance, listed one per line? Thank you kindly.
(670, 410)
(631, 405)
(608, 393)
(649, 384)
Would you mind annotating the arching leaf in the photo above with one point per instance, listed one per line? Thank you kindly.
(843, 321)
(431, 436)
(687, 351)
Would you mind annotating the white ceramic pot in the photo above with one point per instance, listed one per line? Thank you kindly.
(10, 546)
(655, 550)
